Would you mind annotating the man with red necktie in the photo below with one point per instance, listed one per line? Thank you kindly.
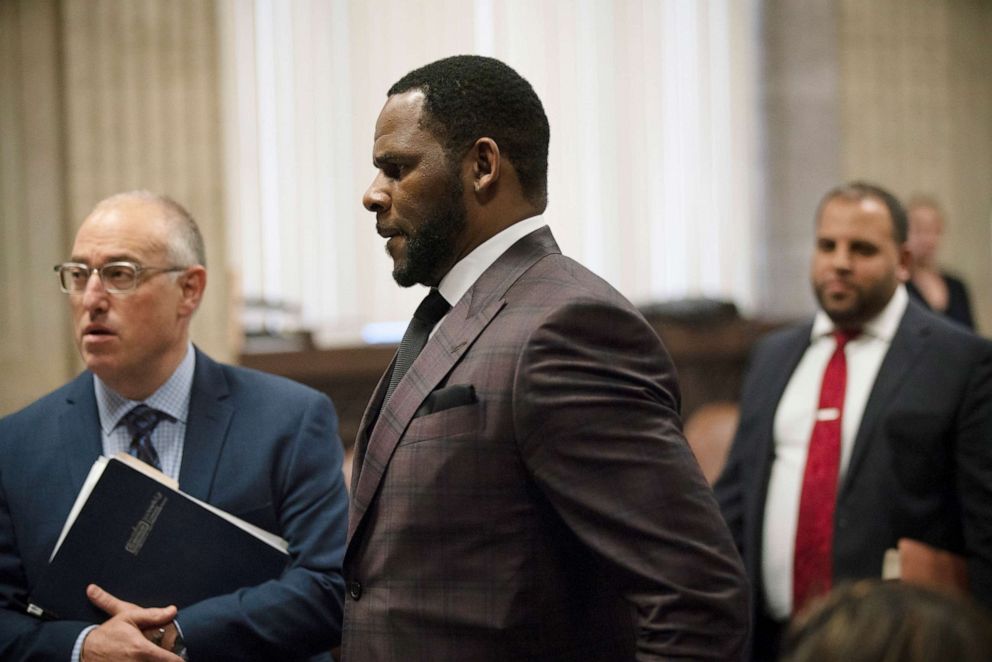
(869, 425)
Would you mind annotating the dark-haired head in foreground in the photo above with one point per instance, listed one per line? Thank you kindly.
(874, 621)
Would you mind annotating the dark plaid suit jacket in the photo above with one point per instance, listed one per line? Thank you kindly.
(527, 494)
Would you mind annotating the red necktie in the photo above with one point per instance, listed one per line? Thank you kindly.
(812, 565)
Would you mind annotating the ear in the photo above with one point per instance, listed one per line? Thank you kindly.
(192, 283)
(485, 167)
(904, 270)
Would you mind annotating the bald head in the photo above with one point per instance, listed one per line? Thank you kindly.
(133, 337)
(185, 243)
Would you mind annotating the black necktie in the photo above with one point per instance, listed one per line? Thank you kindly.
(141, 421)
(428, 314)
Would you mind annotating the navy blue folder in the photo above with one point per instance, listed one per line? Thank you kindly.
(149, 544)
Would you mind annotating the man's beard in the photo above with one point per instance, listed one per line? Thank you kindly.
(431, 248)
(868, 302)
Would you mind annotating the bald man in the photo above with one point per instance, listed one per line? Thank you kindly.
(258, 446)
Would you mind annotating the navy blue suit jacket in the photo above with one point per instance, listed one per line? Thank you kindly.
(921, 466)
(260, 447)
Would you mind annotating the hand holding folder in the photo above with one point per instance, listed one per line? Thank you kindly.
(131, 630)
(133, 533)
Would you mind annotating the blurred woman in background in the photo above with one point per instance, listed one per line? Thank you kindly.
(928, 283)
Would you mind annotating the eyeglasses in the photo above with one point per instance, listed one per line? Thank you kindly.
(117, 277)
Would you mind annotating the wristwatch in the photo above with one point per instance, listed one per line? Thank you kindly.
(179, 646)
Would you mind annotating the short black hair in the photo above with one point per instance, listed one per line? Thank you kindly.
(467, 97)
(860, 190)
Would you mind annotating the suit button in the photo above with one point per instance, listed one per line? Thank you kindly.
(355, 590)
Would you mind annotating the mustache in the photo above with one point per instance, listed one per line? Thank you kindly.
(385, 232)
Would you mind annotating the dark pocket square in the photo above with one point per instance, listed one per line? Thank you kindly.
(448, 397)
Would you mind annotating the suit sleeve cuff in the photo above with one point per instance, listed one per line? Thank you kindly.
(77, 649)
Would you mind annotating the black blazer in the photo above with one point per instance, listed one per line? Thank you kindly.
(921, 466)
(958, 301)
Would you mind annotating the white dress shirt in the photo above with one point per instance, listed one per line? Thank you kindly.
(466, 271)
(794, 420)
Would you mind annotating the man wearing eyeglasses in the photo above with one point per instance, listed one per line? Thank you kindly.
(255, 445)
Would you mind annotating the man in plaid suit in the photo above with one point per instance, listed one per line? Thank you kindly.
(524, 492)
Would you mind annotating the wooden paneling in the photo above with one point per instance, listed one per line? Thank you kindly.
(710, 357)
(348, 375)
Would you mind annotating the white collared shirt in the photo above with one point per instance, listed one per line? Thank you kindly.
(466, 271)
(794, 420)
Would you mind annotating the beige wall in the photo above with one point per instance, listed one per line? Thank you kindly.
(34, 337)
(802, 125)
(96, 97)
(893, 91)
(917, 116)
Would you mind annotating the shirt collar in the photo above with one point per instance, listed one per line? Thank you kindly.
(466, 271)
(172, 397)
(883, 326)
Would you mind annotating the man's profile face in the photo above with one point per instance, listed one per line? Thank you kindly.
(416, 195)
(124, 337)
(857, 262)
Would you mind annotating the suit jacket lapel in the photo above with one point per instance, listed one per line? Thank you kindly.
(364, 428)
(206, 427)
(80, 429)
(456, 334)
(439, 355)
(908, 342)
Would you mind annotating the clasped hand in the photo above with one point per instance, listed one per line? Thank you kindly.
(131, 632)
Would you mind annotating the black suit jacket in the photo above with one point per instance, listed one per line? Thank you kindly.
(921, 466)
(958, 301)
